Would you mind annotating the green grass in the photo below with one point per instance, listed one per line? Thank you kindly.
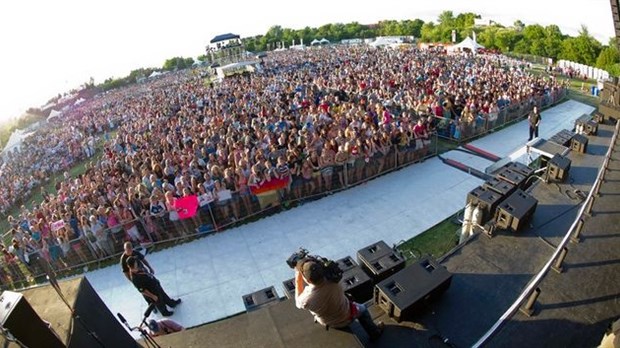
(436, 241)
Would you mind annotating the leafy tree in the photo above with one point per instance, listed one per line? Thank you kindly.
(553, 41)
(608, 57)
(430, 32)
(506, 38)
(518, 25)
(446, 19)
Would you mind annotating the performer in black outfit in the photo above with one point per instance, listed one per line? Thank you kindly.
(150, 287)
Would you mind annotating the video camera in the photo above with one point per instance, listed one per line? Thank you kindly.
(331, 269)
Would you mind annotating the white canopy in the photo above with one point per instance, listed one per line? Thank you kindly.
(315, 42)
(387, 41)
(324, 41)
(469, 44)
(15, 140)
(54, 114)
(154, 74)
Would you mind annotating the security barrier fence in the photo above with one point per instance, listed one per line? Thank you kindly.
(464, 129)
(64, 252)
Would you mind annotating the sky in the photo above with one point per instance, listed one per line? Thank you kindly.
(52, 46)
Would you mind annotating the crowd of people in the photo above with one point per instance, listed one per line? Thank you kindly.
(315, 120)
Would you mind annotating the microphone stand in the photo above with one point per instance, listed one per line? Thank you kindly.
(148, 338)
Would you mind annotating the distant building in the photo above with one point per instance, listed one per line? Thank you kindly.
(483, 22)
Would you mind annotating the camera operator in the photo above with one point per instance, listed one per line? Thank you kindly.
(327, 301)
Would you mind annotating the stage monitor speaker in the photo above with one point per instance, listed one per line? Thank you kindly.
(592, 127)
(586, 125)
(346, 263)
(499, 186)
(558, 168)
(401, 294)
(514, 212)
(358, 284)
(289, 288)
(520, 168)
(598, 117)
(384, 266)
(579, 143)
(373, 252)
(260, 298)
(23, 323)
(511, 176)
(485, 199)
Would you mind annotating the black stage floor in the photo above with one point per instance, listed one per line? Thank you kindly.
(573, 309)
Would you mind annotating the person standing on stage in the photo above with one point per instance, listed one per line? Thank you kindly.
(534, 120)
(143, 263)
(150, 287)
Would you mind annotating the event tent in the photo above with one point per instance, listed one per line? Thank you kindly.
(315, 42)
(15, 140)
(54, 114)
(469, 44)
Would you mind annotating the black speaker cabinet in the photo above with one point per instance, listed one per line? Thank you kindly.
(346, 263)
(499, 186)
(598, 117)
(357, 283)
(579, 143)
(384, 266)
(586, 124)
(511, 176)
(400, 294)
(515, 211)
(581, 123)
(591, 127)
(289, 288)
(485, 199)
(558, 168)
(260, 298)
(520, 168)
(373, 252)
(562, 137)
(20, 319)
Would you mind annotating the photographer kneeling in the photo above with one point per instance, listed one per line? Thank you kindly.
(327, 301)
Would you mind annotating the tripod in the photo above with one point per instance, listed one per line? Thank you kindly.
(148, 339)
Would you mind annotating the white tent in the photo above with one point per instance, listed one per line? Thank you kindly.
(387, 41)
(324, 41)
(468, 43)
(315, 42)
(154, 74)
(15, 140)
(54, 114)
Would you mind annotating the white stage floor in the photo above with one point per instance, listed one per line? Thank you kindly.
(211, 274)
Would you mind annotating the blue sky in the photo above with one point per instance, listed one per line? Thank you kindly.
(53, 46)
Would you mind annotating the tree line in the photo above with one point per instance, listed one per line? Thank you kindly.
(544, 41)
(547, 41)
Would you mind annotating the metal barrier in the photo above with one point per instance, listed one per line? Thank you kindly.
(76, 255)
(530, 290)
(464, 130)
